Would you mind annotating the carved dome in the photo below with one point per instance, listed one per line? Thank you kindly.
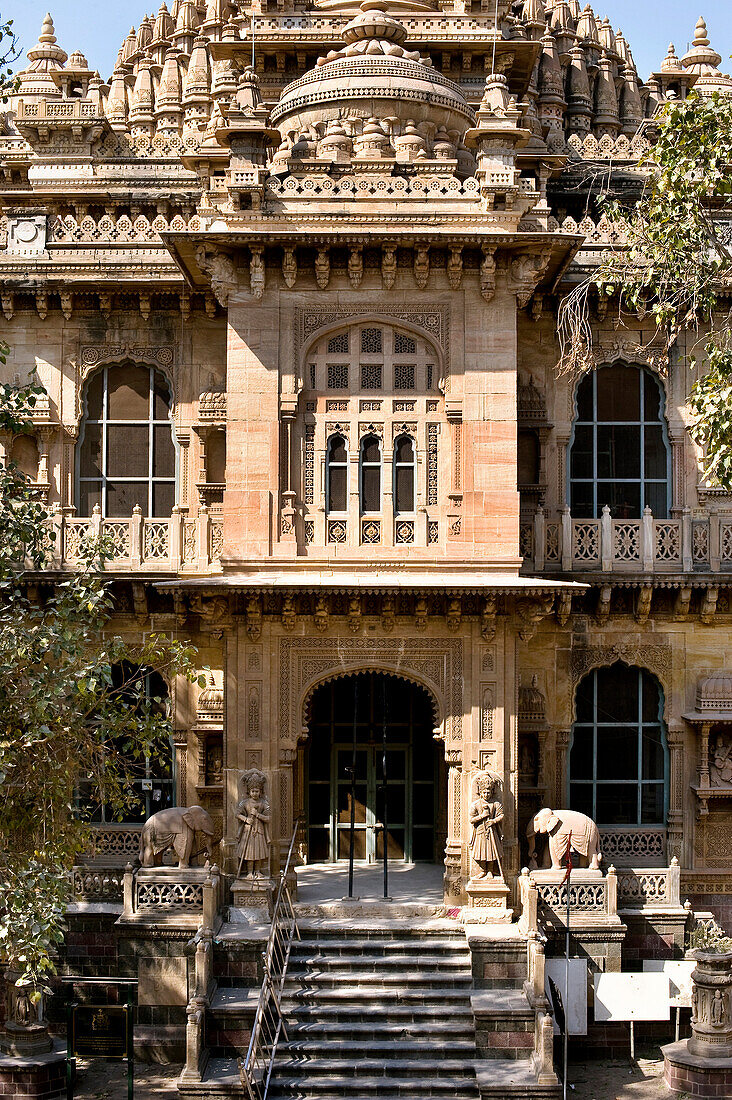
(375, 77)
(211, 699)
(715, 692)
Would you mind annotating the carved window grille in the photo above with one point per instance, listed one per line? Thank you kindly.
(118, 534)
(337, 376)
(403, 376)
(217, 539)
(626, 541)
(313, 376)
(620, 454)
(336, 406)
(552, 552)
(370, 532)
(371, 376)
(338, 345)
(189, 541)
(404, 476)
(155, 543)
(309, 531)
(526, 540)
(336, 530)
(430, 376)
(431, 464)
(725, 542)
(668, 542)
(700, 541)
(336, 474)
(309, 466)
(370, 474)
(126, 454)
(403, 344)
(371, 341)
(619, 761)
(433, 532)
(404, 532)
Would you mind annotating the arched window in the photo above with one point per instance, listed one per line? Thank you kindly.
(370, 470)
(618, 761)
(336, 472)
(126, 453)
(620, 454)
(152, 777)
(404, 471)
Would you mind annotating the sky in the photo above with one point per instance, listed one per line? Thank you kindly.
(648, 25)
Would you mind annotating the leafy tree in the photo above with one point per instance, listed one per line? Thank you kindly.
(67, 716)
(677, 263)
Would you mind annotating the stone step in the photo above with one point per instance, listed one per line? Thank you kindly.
(366, 979)
(384, 1029)
(397, 994)
(446, 1047)
(379, 1012)
(454, 960)
(380, 945)
(220, 1079)
(507, 1079)
(434, 1068)
(334, 1087)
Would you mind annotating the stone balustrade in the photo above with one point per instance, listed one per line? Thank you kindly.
(139, 544)
(607, 545)
(181, 896)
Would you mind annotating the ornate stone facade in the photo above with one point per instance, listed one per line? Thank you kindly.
(341, 275)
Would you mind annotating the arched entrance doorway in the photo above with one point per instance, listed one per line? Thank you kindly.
(384, 726)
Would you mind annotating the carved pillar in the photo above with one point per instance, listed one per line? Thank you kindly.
(287, 516)
(285, 813)
(678, 487)
(562, 738)
(184, 441)
(453, 882)
(180, 744)
(704, 755)
(711, 1021)
(675, 736)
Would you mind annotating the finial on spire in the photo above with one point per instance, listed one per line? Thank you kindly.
(701, 38)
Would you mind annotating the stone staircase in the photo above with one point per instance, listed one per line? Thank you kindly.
(390, 1009)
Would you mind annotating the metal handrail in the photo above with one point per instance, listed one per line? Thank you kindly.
(256, 1068)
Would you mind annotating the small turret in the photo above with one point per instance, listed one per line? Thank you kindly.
(168, 107)
(703, 62)
(45, 58)
(607, 119)
(117, 104)
(579, 100)
(197, 90)
(142, 106)
(631, 111)
(551, 91)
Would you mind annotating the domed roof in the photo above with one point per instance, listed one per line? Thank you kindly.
(714, 692)
(373, 76)
(704, 61)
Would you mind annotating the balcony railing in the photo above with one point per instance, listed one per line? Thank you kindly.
(139, 544)
(646, 545)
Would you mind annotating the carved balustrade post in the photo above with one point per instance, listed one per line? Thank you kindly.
(180, 747)
(567, 548)
(606, 540)
(211, 897)
(539, 540)
(287, 759)
(612, 892)
(136, 529)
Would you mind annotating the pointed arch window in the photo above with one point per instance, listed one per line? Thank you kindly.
(618, 761)
(337, 474)
(126, 450)
(404, 475)
(370, 472)
(620, 453)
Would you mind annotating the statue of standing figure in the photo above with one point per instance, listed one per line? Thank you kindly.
(253, 815)
(485, 816)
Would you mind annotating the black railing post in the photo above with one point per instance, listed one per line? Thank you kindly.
(352, 829)
(384, 779)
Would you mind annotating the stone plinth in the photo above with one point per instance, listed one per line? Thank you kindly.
(33, 1077)
(702, 1065)
(487, 901)
(254, 893)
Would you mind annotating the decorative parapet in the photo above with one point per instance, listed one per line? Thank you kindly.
(111, 230)
(593, 898)
(180, 896)
(643, 888)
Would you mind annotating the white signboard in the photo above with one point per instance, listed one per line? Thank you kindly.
(575, 1006)
(631, 997)
(678, 972)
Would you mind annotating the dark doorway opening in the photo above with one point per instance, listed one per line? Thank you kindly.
(373, 707)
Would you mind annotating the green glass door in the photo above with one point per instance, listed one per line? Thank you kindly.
(376, 709)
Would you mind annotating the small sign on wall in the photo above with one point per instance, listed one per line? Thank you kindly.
(678, 972)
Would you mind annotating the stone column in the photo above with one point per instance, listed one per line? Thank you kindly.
(675, 736)
(711, 1021)
(285, 813)
(561, 744)
(453, 881)
(704, 756)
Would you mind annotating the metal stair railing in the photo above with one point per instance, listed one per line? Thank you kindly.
(256, 1068)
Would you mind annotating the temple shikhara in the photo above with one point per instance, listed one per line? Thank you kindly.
(289, 279)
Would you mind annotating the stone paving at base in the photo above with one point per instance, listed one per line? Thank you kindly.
(597, 1079)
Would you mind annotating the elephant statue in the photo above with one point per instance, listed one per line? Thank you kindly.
(559, 825)
(174, 828)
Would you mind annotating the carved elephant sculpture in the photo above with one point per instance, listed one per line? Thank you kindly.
(174, 828)
(559, 825)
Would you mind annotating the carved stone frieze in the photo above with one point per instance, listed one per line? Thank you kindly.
(436, 664)
(656, 658)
